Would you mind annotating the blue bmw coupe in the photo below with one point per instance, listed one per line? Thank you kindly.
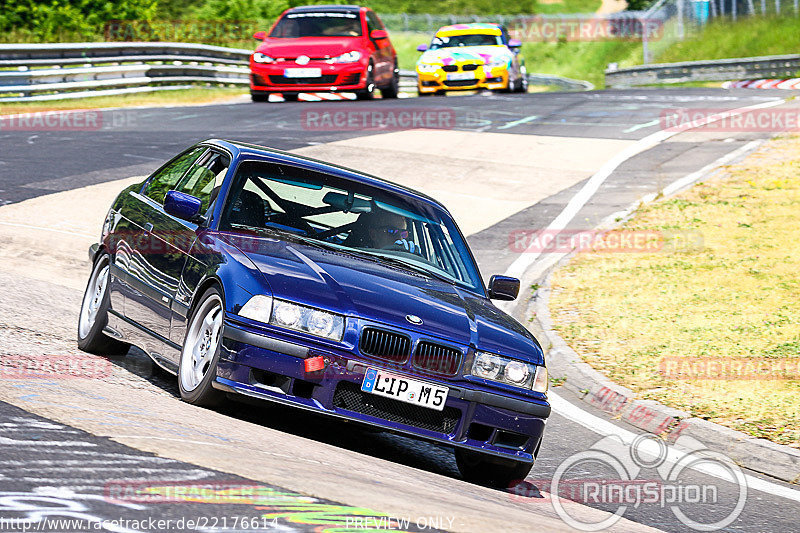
(249, 271)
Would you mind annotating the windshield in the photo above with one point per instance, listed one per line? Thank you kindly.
(473, 39)
(325, 210)
(317, 24)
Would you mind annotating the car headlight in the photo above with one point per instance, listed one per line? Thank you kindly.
(428, 67)
(258, 57)
(293, 316)
(307, 319)
(349, 57)
(258, 308)
(510, 371)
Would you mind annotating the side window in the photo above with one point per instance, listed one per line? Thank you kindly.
(205, 178)
(373, 23)
(166, 179)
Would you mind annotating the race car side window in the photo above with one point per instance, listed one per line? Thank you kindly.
(373, 22)
(205, 178)
(504, 35)
(165, 179)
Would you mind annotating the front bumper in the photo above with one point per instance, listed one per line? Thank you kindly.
(492, 78)
(273, 369)
(270, 78)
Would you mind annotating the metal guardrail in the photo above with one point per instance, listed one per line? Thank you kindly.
(784, 66)
(78, 70)
(568, 84)
(30, 72)
(12, 55)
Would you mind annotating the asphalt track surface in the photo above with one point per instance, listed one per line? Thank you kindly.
(134, 142)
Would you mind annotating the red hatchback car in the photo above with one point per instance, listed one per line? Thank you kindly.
(334, 48)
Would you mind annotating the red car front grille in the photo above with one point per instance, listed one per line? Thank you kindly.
(351, 79)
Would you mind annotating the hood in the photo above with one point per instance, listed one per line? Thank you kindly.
(309, 46)
(468, 54)
(386, 294)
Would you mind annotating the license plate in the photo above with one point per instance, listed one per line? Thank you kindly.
(302, 72)
(403, 389)
(461, 76)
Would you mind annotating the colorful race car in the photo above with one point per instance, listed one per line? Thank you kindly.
(469, 57)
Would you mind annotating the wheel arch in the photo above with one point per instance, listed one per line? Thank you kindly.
(202, 288)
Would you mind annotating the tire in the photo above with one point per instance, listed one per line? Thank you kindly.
(291, 97)
(523, 81)
(200, 352)
(393, 89)
(421, 94)
(490, 471)
(94, 313)
(368, 93)
(259, 97)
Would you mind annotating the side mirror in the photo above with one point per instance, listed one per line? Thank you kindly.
(260, 35)
(378, 34)
(503, 288)
(514, 43)
(422, 48)
(182, 205)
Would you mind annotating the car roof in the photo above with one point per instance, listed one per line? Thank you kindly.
(325, 7)
(242, 150)
(473, 27)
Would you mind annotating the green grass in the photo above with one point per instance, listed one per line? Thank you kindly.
(580, 60)
(750, 37)
(406, 42)
(754, 36)
(732, 298)
(568, 6)
(747, 38)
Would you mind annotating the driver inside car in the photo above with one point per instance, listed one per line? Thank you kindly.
(390, 231)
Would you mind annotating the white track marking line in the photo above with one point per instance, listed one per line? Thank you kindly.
(689, 179)
(518, 122)
(641, 126)
(576, 203)
(580, 416)
(605, 428)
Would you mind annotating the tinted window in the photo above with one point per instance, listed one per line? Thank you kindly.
(165, 179)
(317, 24)
(373, 22)
(474, 39)
(205, 178)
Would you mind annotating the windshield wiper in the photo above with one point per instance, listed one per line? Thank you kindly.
(410, 266)
(371, 256)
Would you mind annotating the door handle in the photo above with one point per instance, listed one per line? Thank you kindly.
(148, 227)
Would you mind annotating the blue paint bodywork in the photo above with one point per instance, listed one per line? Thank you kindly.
(161, 264)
